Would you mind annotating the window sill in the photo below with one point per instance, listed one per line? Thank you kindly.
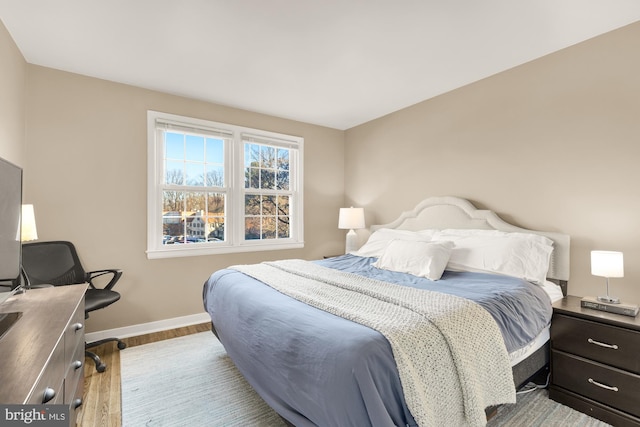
(192, 249)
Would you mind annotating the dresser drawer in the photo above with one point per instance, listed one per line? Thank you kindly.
(608, 344)
(610, 386)
(74, 334)
(75, 374)
(50, 386)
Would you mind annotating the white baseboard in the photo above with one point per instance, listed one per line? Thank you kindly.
(147, 328)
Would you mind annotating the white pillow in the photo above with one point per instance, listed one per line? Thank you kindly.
(522, 255)
(420, 258)
(380, 238)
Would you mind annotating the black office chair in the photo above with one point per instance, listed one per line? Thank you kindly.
(57, 263)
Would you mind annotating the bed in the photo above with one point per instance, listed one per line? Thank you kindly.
(370, 338)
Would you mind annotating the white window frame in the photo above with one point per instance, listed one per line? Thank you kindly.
(234, 187)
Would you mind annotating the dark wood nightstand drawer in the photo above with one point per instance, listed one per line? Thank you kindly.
(601, 383)
(608, 344)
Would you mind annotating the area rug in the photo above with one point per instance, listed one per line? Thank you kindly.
(190, 381)
(536, 409)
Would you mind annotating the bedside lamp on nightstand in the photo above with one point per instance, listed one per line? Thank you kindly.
(608, 264)
(351, 219)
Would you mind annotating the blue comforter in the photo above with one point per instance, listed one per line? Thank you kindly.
(315, 368)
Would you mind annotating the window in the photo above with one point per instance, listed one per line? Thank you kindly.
(218, 188)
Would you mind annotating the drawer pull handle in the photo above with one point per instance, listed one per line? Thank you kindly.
(48, 395)
(606, 387)
(77, 364)
(601, 344)
(77, 326)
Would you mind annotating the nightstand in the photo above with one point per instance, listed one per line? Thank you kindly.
(595, 362)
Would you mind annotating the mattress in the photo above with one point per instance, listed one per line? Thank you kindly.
(555, 293)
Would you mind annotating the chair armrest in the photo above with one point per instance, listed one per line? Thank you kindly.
(116, 273)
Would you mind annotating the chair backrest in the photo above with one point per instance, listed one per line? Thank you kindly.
(55, 263)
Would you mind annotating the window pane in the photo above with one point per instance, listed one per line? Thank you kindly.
(174, 145)
(267, 217)
(269, 227)
(195, 148)
(283, 180)
(267, 157)
(194, 201)
(252, 178)
(252, 228)
(268, 205)
(283, 227)
(194, 173)
(173, 173)
(173, 201)
(193, 217)
(172, 223)
(215, 151)
(194, 160)
(251, 205)
(251, 155)
(283, 158)
(283, 205)
(216, 204)
(215, 228)
(215, 176)
(214, 217)
(267, 179)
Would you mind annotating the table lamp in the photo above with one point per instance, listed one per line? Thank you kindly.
(608, 264)
(28, 231)
(351, 219)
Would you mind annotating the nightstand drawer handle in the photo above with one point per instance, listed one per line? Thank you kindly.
(601, 344)
(602, 385)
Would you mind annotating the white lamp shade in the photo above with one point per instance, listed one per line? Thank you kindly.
(28, 231)
(607, 264)
(351, 218)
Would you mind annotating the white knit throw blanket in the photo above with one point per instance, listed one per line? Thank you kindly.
(449, 351)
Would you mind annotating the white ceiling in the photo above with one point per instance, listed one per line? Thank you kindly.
(336, 63)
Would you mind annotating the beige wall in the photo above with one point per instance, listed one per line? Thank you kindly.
(87, 177)
(552, 145)
(12, 87)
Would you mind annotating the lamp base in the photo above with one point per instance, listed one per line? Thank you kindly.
(617, 308)
(351, 244)
(609, 300)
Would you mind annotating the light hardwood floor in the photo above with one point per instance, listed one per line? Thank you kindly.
(101, 403)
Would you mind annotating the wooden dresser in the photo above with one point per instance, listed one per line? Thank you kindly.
(595, 362)
(42, 355)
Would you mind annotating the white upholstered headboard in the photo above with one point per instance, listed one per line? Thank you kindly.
(454, 212)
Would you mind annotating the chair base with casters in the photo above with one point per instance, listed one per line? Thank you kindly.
(100, 366)
(57, 263)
